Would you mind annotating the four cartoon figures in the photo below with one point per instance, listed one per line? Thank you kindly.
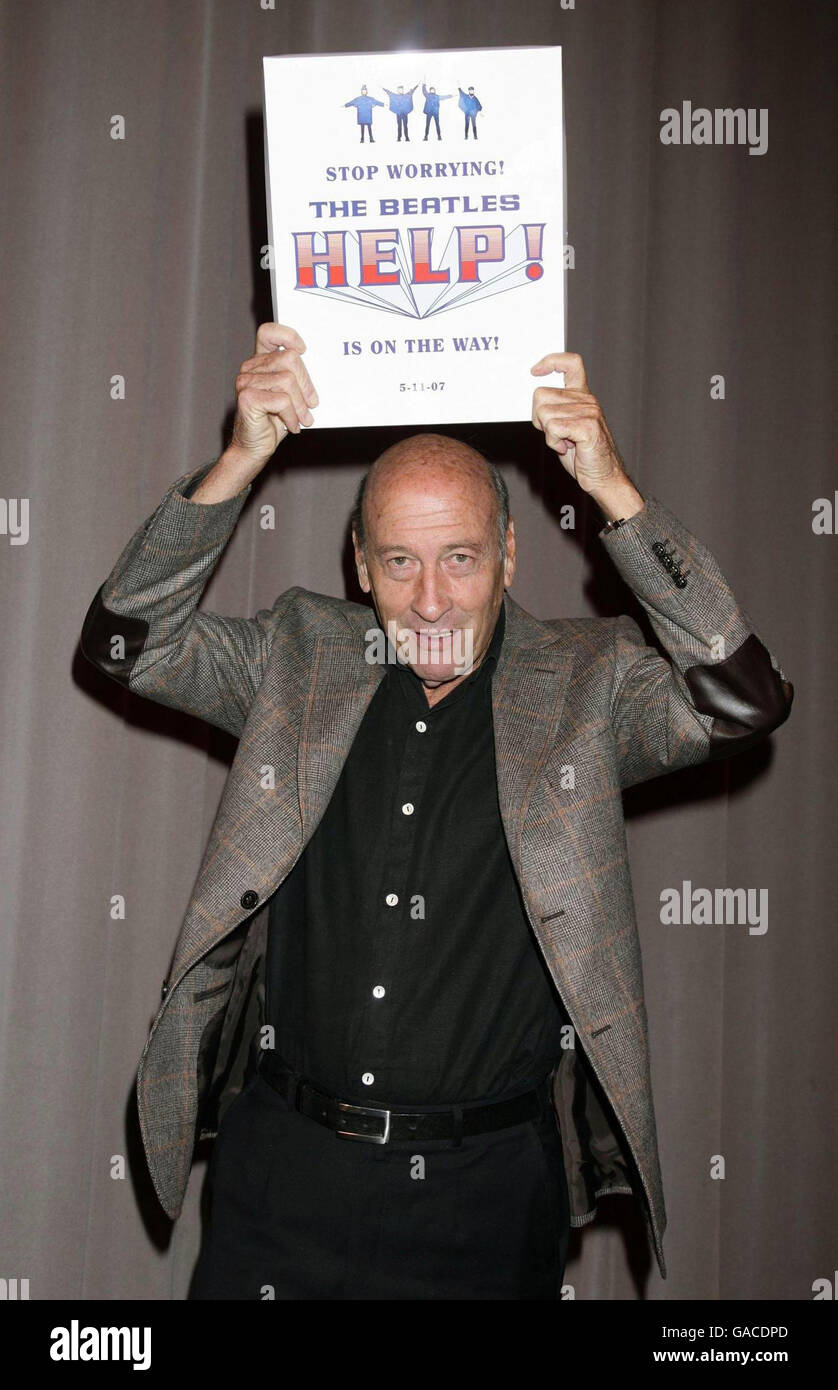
(401, 104)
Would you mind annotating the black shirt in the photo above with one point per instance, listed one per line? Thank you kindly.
(401, 967)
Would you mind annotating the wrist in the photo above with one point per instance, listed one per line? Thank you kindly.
(232, 473)
(618, 499)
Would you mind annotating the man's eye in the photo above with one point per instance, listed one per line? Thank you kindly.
(399, 561)
(462, 557)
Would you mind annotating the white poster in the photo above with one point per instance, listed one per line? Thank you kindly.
(416, 225)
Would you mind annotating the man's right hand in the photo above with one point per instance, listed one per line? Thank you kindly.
(274, 393)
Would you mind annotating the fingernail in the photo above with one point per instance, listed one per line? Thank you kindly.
(308, 418)
(315, 399)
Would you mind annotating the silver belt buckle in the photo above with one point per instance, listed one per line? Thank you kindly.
(343, 1106)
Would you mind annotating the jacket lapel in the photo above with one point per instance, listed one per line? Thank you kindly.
(342, 686)
(528, 696)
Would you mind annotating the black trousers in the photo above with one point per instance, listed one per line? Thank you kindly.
(299, 1213)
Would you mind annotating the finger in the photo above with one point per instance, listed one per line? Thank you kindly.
(255, 403)
(278, 360)
(286, 381)
(306, 384)
(544, 410)
(558, 429)
(294, 390)
(278, 395)
(270, 336)
(280, 402)
(270, 362)
(559, 395)
(568, 362)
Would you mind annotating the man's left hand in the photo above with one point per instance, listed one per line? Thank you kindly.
(574, 425)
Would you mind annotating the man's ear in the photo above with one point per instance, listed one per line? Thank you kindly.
(509, 562)
(360, 565)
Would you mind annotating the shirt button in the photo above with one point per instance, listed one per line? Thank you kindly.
(391, 899)
(367, 1078)
(379, 991)
(408, 808)
(421, 726)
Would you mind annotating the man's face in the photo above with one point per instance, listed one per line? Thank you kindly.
(432, 89)
(471, 91)
(363, 91)
(432, 561)
(400, 89)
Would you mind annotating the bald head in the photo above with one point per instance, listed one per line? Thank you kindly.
(431, 458)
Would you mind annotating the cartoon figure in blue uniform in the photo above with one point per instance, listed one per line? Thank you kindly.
(470, 106)
(363, 105)
(431, 107)
(401, 102)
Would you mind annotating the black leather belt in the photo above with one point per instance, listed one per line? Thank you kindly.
(376, 1126)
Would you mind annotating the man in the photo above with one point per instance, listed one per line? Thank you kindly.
(431, 108)
(401, 102)
(364, 106)
(407, 995)
(470, 106)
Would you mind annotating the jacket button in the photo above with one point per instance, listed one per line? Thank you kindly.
(165, 990)
(249, 899)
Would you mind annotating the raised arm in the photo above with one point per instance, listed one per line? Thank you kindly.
(143, 627)
(719, 690)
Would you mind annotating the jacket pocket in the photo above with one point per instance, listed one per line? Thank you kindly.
(208, 993)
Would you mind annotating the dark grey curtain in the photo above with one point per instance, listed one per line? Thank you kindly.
(139, 258)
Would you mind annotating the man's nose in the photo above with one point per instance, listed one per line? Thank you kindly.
(430, 599)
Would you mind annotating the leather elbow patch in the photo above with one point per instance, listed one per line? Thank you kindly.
(112, 641)
(744, 695)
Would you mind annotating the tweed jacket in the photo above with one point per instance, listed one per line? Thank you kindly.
(292, 684)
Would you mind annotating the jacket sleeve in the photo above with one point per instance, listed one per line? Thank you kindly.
(720, 691)
(143, 627)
